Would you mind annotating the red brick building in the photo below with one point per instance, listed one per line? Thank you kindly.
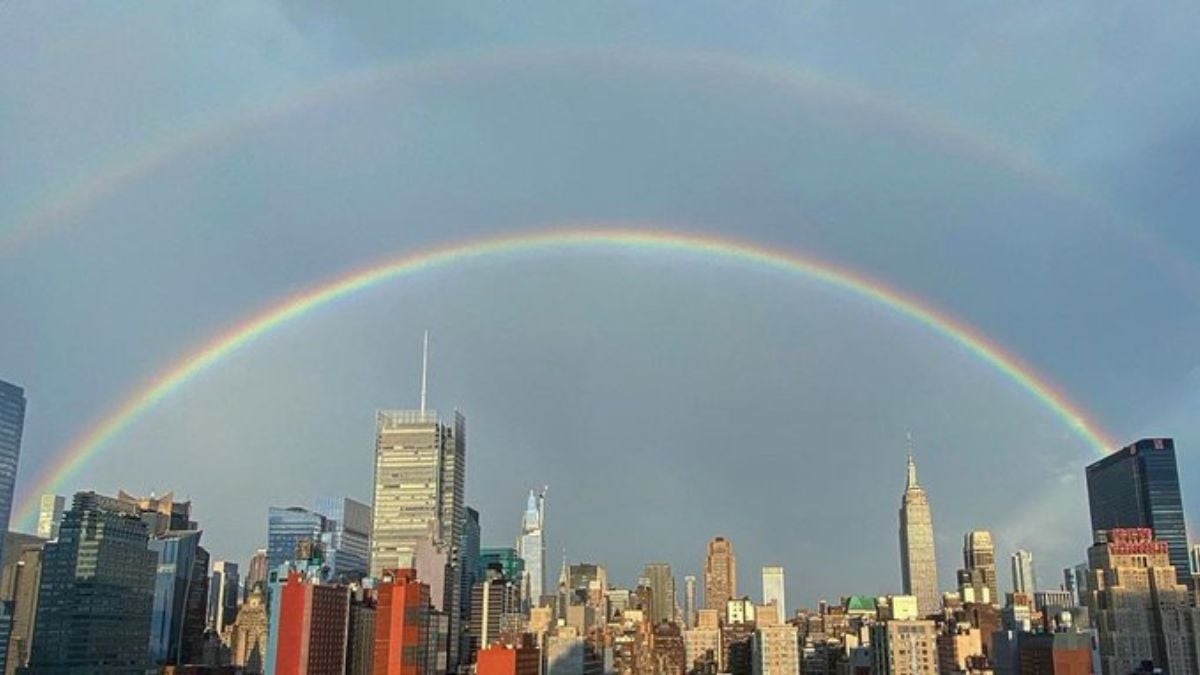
(311, 627)
(508, 660)
(401, 624)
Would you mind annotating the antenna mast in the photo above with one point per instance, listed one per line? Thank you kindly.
(424, 370)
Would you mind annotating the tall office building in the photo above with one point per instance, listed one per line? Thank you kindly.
(507, 560)
(248, 637)
(50, 509)
(1138, 486)
(495, 610)
(772, 590)
(223, 595)
(12, 425)
(256, 573)
(1140, 611)
(1023, 577)
(19, 591)
(179, 615)
(287, 527)
(420, 476)
(720, 574)
(97, 591)
(689, 602)
(532, 547)
(348, 536)
(918, 563)
(420, 480)
(662, 587)
(979, 562)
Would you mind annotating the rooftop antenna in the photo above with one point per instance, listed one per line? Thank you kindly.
(424, 370)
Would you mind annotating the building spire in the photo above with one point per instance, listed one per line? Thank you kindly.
(424, 369)
(912, 466)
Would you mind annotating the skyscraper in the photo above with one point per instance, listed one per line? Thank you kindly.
(308, 622)
(918, 563)
(772, 590)
(720, 574)
(977, 578)
(1140, 611)
(287, 527)
(420, 475)
(97, 591)
(662, 585)
(402, 625)
(12, 425)
(223, 595)
(1138, 486)
(689, 601)
(420, 481)
(348, 540)
(1023, 577)
(256, 573)
(19, 590)
(50, 509)
(179, 616)
(532, 547)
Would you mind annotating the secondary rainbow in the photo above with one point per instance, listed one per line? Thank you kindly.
(194, 364)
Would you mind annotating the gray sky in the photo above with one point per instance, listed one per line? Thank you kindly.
(1030, 169)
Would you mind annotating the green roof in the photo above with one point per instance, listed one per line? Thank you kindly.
(860, 603)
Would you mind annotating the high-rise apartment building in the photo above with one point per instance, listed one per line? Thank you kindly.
(531, 546)
(223, 595)
(773, 590)
(521, 659)
(720, 574)
(662, 586)
(1138, 486)
(1024, 578)
(918, 562)
(1140, 611)
(97, 591)
(287, 527)
(703, 641)
(979, 567)
(775, 647)
(904, 647)
(12, 426)
(402, 625)
(50, 510)
(347, 536)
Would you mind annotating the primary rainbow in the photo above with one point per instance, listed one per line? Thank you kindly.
(193, 364)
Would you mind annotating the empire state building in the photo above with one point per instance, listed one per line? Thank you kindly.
(918, 565)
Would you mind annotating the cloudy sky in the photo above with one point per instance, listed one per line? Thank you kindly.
(168, 170)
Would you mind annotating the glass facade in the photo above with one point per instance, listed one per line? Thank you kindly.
(12, 426)
(1138, 486)
(348, 544)
(287, 527)
(96, 591)
(178, 617)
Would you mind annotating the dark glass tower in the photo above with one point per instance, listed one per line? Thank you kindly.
(12, 424)
(96, 592)
(1138, 486)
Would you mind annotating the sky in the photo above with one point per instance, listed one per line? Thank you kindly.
(169, 170)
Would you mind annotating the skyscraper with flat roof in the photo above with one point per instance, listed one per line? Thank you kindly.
(12, 426)
(720, 574)
(287, 527)
(662, 586)
(97, 591)
(1023, 577)
(979, 564)
(50, 510)
(1138, 486)
(772, 590)
(348, 546)
(918, 563)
